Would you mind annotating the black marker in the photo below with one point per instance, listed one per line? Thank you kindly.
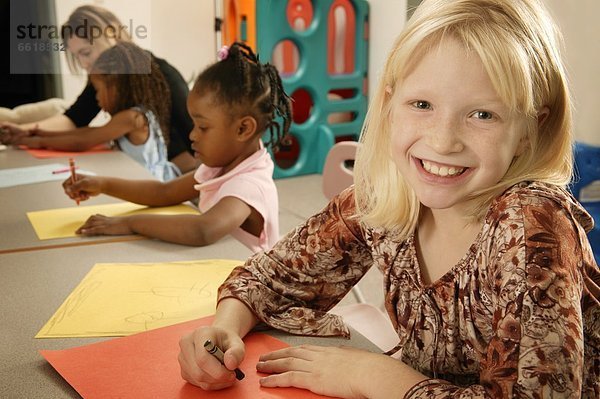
(218, 353)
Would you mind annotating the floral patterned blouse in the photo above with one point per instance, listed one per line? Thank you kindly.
(517, 317)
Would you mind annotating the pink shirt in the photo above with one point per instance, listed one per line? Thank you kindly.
(252, 182)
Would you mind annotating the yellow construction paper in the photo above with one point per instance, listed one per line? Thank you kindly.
(118, 299)
(63, 222)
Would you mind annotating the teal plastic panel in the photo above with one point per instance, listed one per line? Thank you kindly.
(316, 135)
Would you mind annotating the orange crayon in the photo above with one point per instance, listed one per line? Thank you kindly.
(73, 178)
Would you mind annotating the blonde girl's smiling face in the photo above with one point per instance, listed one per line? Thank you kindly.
(452, 135)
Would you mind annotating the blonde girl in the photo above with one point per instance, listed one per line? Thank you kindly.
(460, 200)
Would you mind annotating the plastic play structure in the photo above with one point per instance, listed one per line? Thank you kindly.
(320, 48)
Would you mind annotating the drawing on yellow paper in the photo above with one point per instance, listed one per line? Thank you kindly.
(63, 222)
(117, 299)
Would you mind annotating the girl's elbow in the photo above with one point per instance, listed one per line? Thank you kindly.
(204, 236)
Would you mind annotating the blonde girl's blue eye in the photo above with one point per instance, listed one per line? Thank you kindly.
(483, 115)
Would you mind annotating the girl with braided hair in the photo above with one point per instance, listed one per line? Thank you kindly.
(233, 103)
(131, 88)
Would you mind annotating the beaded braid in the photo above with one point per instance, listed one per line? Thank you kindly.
(246, 57)
(281, 104)
(241, 81)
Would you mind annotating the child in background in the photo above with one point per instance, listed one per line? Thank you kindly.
(232, 104)
(460, 200)
(132, 89)
(88, 32)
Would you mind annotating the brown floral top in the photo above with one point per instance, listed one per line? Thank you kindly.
(517, 317)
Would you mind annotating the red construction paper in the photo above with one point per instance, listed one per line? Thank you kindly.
(145, 366)
(43, 153)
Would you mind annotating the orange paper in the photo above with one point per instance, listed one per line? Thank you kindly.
(145, 366)
(43, 153)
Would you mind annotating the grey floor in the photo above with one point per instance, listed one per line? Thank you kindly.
(299, 198)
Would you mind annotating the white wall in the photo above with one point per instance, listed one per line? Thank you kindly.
(387, 19)
(184, 34)
(578, 21)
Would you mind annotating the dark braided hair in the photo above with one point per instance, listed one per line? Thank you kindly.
(247, 86)
(138, 80)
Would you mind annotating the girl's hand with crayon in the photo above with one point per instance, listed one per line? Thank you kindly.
(201, 368)
(233, 320)
(83, 187)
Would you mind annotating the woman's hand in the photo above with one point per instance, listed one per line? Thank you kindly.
(333, 371)
(11, 133)
(104, 225)
(83, 188)
(200, 368)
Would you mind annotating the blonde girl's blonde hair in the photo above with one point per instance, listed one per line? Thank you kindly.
(86, 22)
(518, 44)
